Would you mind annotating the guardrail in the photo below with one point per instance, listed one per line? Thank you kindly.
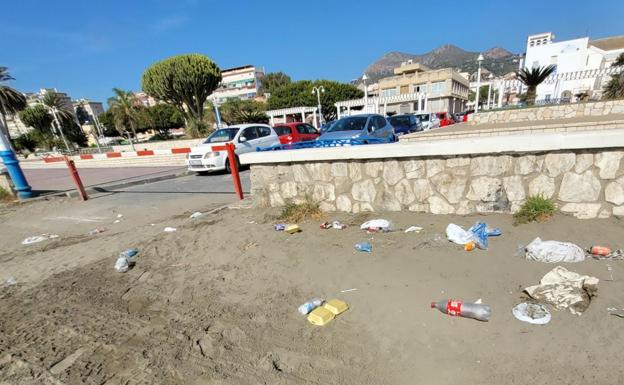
(322, 143)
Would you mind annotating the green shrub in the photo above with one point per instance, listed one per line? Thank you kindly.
(535, 208)
(5, 196)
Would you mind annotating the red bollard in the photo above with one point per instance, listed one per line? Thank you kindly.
(234, 167)
(74, 174)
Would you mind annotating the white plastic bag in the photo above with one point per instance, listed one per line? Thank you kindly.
(377, 224)
(170, 229)
(458, 235)
(553, 251)
(122, 264)
(38, 238)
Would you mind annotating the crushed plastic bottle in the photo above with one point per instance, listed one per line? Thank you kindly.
(125, 260)
(458, 308)
(364, 247)
(307, 307)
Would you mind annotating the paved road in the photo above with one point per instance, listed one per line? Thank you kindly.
(57, 179)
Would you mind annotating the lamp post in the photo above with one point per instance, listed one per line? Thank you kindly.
(60, 129)
(364, 79)
(479, 60)
(318, 90)
(489, 89)
(15, 171)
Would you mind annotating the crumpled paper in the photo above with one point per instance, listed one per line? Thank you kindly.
(565, 289)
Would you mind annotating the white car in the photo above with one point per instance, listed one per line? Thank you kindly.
(428, 120)
(246, 138)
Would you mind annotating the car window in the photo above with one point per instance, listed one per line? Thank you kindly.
(311, 130)
(263, 131)
(302, 129)
(351, 123)
(282, 130)
(222, 135)
(250, 133)
(400, 120)
(380, 122)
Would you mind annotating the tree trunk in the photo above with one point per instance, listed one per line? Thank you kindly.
(5, 127)
(531, 95)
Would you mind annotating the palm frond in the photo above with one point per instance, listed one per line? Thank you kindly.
(536, 75)
(11, 100)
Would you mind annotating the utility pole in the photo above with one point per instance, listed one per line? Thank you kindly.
(15, 171)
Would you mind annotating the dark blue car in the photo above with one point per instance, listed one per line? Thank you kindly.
(363, 127)
(405, 124)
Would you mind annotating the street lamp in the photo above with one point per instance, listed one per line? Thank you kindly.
(12, 165)
(364, 79)
(318, 90)
(479, 60)
(489, 89)
(58, 126)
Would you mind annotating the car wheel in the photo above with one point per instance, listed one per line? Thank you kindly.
(228, 169)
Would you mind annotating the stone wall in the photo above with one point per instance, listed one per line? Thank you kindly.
(161, 145)
(563, 111)
(587, 184)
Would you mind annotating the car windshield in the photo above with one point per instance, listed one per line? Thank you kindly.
(351, 123)
(222, 135)
(399, 120)
(423, 117)
(282, 130)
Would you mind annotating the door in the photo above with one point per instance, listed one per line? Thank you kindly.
(265, 137)
(251, 142)
(306, 132)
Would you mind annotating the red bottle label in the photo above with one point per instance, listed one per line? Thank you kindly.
(453, 307)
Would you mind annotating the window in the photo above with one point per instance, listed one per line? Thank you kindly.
(388, 92)
(351, 123)
(437, 88)
(547, 97)
(263, 131)
(250, 133)
(553, 59)
(302, 129)
(282, 130)
(378, 122)
(311, 129)
(222, 135)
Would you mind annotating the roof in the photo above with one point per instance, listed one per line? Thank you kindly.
(609, 43)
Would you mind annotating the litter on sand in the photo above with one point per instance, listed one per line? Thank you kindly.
(532, 313)
(10, 281)
(565, 290)
(196, 214)
(116, 221)
(170, 229)
(38, 238)
(347, 290)
(333, 225)
(616, 254)
(119, 215)
(364, 247)
(307, 307)
(291, 229)
(414, 229)
(125, 260)
(279, 226)
(97, 230)
(324, 314)
(376, 225)
(478, 233)
(553, 251)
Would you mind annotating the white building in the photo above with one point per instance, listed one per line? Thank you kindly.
(577, 57)
(239, 82)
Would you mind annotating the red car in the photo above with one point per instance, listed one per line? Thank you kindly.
(445, 119)
(295, 132)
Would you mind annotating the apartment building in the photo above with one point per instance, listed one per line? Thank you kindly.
(446, 89)
(239, 82)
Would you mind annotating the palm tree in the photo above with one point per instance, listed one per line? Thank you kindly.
(534, 77)
(615, 87)
(124, 108)
(11, 100)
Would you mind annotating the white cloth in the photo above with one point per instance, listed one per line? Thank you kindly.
(532, 313)
(565, 290)
(553, 251)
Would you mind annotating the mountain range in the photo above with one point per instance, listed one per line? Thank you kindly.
(497, 60)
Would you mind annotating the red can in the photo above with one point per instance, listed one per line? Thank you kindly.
(600, 250)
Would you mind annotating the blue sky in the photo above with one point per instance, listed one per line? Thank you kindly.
(87, 48)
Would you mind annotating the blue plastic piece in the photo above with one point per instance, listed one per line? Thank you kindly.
(364, 247)
(481, 233)
(129, 253)
(17, 175)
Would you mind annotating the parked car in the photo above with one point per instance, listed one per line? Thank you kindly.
(445, 119)
(364, 127)
(428, 120)
(325, 126)
(295, 132)
(404, 124)
(246, 138)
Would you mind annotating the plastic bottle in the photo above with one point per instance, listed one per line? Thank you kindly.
(458, 308)
(364, 247)
(309, 306)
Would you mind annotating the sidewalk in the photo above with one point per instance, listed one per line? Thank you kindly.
(58, 179)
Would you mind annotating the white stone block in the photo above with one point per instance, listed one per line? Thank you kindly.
(614, 192)
(364, 191)
(542, 185)
(583, 162)
(451, 187)
(579, 188)
(485, 189)
(343, 203)
(438, 205)
(557, 164)
(490, 165)
(514, 187)
(582, 210)
(609, 163)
